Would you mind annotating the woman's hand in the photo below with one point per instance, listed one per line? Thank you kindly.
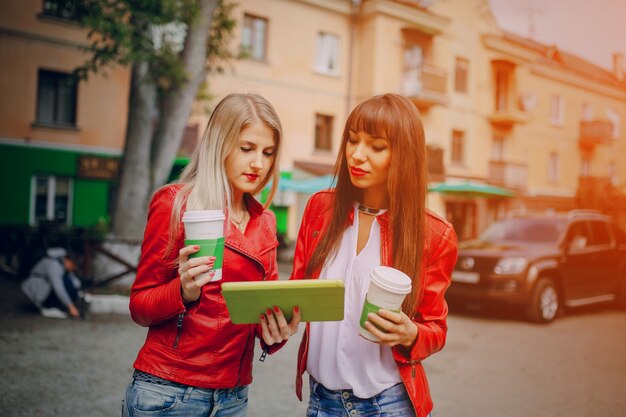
(398, 329)
(275, 326)
(189, 269)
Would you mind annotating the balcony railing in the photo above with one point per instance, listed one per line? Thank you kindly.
(426, 85)
(508, 174)
(595, 132)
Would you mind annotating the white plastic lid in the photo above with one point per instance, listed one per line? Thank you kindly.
(203, 216)
(391, 279)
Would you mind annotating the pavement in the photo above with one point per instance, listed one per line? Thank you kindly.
(66, 368)
(574, 367)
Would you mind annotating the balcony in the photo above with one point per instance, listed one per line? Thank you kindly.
(595, 132)
(506, 118)
(426, 86)
(508, 174)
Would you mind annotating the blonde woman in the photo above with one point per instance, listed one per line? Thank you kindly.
(194, 361)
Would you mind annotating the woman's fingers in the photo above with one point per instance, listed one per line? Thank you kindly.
(189, 271)
(391, 328)
(275, 328)
(295, 320)
(183, 253)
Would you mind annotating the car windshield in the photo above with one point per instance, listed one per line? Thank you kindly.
(525, 230)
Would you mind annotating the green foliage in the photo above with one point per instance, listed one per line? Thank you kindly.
(153, 31)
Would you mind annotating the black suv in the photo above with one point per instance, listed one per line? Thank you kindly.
(543, 263)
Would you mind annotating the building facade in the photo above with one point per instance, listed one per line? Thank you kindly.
(60, 140)
(498, 110)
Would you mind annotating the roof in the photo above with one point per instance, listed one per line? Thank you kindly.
(552, 55)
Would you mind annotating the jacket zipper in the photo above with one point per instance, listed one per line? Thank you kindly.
(412, 363)
(250, 257)
(179, 328)
(243, 355)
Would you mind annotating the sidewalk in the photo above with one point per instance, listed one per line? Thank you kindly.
(66, 368)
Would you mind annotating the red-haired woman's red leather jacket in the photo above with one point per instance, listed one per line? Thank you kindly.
(430, 313)
(198, 345)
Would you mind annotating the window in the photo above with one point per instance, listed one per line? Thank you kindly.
(413, 60)
(600, 233)
(51, 199)
(613, 116)
(460, 75)
(612, 173)
(578, 234)
(327, 54)
(502, 89)
(497, 148)
(557, 113)
(585, 167)
(553, 167)
(254, 37)
(323, 132)
(61, 9)
(458, 147)
(587, 112)
(56, 98)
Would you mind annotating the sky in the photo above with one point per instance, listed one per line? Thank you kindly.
(591, 29)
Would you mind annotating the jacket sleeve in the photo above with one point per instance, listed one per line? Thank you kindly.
(301, 254)
(430, 315)
(55, 272)
(272, 275)
(155, 295)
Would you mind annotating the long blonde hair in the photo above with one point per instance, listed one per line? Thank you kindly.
(395, 118)
(205, 182)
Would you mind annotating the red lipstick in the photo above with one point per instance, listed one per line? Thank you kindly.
(252, 177)
(357, 172)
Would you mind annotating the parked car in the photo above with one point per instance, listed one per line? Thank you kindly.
(544, 263)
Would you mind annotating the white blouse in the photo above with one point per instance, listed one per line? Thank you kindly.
(338, 357)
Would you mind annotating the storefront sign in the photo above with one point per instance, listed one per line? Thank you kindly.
(97, 167)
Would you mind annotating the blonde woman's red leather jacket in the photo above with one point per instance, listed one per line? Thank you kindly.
(198, 345)
(430, 313)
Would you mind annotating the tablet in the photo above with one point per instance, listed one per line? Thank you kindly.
(318, 300)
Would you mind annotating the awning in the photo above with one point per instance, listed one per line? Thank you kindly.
(306, 186)
(471, 190)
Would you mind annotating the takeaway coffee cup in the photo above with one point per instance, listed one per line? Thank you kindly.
(205, 228)
(388, 287)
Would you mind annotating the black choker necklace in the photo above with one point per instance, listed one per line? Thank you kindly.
(368, 210)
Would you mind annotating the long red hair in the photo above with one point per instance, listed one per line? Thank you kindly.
(395, 118)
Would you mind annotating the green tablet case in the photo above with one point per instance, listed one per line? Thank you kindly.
(318, 300)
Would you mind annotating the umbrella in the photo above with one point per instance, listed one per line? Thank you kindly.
(471, 190)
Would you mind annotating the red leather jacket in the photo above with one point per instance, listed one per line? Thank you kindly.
(430, 313)
(198, 345)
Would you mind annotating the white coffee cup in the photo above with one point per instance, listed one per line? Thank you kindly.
(387, 289)
(205, 228)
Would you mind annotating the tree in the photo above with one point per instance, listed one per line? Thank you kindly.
(170, 46)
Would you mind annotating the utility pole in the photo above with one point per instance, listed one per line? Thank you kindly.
(532, 11)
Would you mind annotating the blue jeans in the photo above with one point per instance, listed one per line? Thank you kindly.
(149, 399)
(392, 402)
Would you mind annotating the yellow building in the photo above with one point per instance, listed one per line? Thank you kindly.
(498, 110)
(60, 141)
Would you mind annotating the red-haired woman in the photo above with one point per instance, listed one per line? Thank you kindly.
(376, 215)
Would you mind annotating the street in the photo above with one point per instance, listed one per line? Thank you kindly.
(498, 366)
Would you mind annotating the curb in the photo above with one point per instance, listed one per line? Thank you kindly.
(109, 304)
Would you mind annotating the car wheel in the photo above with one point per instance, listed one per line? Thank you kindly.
(544, 302)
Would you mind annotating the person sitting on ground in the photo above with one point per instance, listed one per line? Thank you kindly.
(53, 286)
